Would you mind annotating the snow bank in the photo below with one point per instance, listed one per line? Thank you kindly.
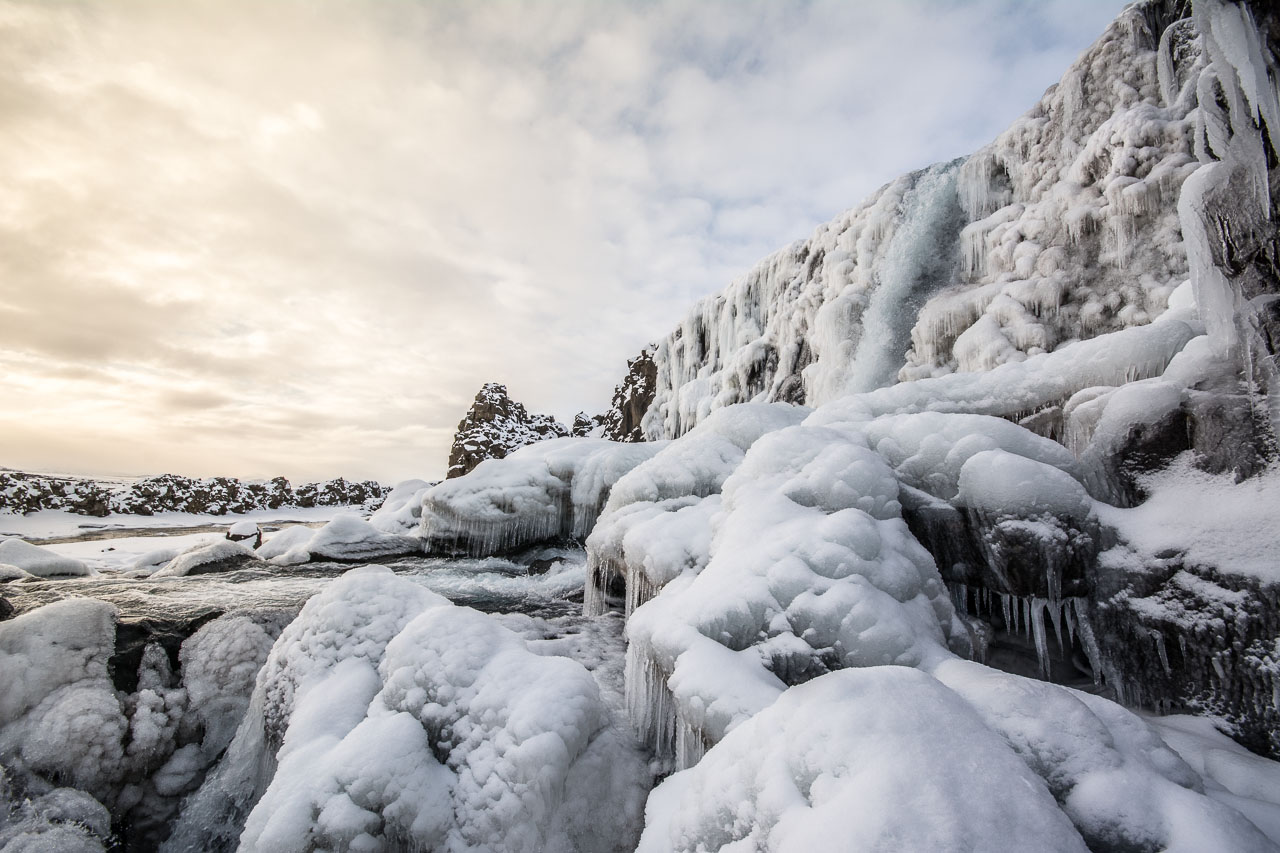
(858, 760)
(1120, 784)
(223, 555)
(288, 546)
(38, 561)
(544, 490)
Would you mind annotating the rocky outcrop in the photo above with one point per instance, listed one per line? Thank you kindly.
(23, 493)
(632, 398)
(494, 426)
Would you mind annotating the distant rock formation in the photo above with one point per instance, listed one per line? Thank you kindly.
(24, 493)
(496, 425)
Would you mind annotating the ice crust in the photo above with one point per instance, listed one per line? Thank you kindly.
(216, 556)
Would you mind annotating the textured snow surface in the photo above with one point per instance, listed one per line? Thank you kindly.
(59, 713)
(857, 760)
(388, 718)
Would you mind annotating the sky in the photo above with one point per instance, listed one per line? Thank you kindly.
(262, 237)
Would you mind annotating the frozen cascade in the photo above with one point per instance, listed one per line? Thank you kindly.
(1062, 229)
(917, 260)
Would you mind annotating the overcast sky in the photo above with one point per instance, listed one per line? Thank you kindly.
(295, 237)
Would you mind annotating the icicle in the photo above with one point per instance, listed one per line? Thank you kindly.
(1161, 651)
(1089, 641)
(1007, 608)
(1055, 613)
(1036, 614)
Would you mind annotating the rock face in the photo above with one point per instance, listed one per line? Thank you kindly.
(632, 398)
(23, 493)
(494, 426)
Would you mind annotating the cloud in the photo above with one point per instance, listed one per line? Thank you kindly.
(259, 238)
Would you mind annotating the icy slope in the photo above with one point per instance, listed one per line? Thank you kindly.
(1063, 228)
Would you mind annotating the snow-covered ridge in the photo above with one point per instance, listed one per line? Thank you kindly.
(22, 492)
(1064, 228)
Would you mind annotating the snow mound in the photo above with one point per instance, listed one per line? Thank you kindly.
(811, 568)
(541, 491)
(1120, 784)
(223, 555)
(387, 716)
(401, 512)
(38, 561)
(351, 538)
(9, 572)
(60, 716)
(288, 546)
(857, 760)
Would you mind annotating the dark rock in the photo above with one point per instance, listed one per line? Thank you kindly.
(631, 399)
(494, 426)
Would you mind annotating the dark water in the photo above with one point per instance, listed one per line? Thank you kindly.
(491, 585)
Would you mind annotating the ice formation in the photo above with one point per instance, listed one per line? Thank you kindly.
(386, 716)
(1064, 228)
(544, 490)
(41, 562)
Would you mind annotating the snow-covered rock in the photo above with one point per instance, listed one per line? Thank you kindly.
(222, 556)
(401, 511)
(351, 538)
(386, 715)
(546, 490)
(38, 561)
(857, 760)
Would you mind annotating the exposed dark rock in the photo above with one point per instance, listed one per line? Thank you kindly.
(631, 399)
(588, 425)
(494, 426)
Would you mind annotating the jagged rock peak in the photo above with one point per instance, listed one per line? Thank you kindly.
(494, 426)
(631, 399)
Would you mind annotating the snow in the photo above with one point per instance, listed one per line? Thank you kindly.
(218, 556)
(552, 488)
(811, 567)
(401, 511)
(1232, 529)
(349, 537)
(59, 713)
(59, 524)
(38, 561)
(998, 482)
(857, 760)
(398, 718)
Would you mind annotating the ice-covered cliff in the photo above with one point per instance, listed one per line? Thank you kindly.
(1065, 227)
